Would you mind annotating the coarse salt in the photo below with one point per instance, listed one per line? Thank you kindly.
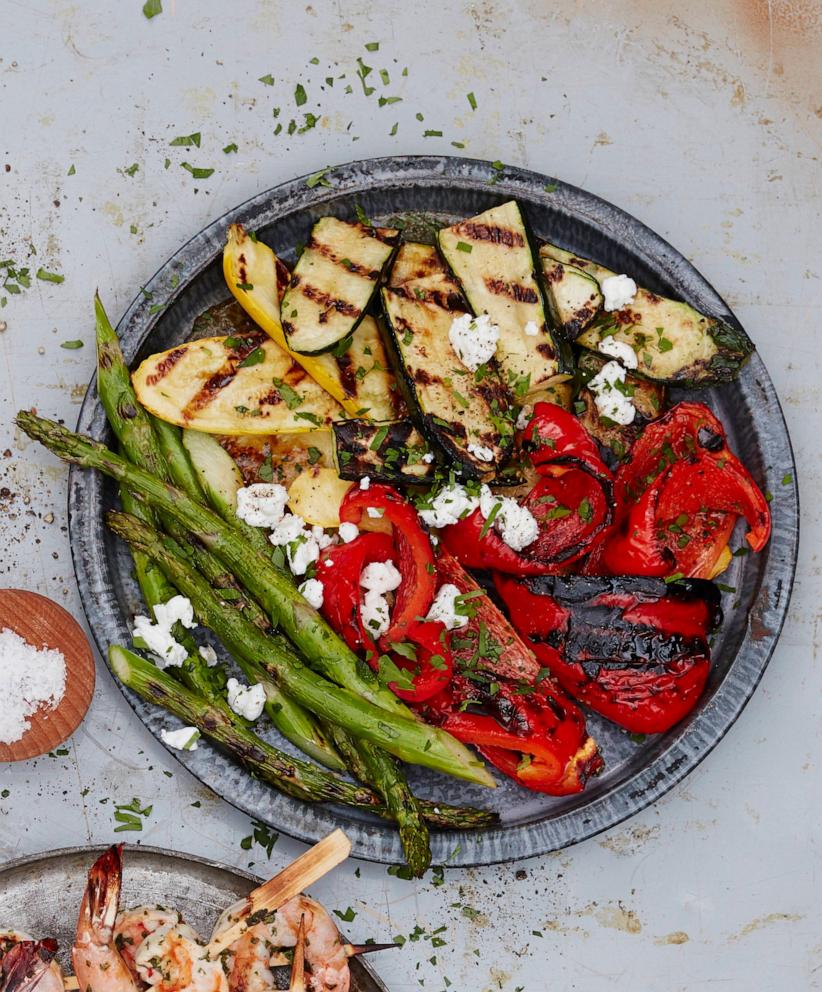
(31, 677)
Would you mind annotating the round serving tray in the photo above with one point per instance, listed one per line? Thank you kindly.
(419, 190)
(41, 895)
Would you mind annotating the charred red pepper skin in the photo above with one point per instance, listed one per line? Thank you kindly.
(415, 556)
(646, 698)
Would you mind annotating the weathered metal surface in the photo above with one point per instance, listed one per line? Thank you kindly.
(701, 119)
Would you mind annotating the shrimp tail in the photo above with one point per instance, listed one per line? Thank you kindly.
(102, 896)
(25, 964)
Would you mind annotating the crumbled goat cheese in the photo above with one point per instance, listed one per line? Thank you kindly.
(617, 292)
(375, 512)
(365, 482)
(531, 329)
(620, 350)
(246, 700)
(381, 577)
(610, 400)
(208, 654)
(323, 540)
(262, 505)
(524, 418)
(428, 457)
(375, 613)
(481, 453)
(474, 339)
(312, 591)
(515, 524)
(177, 610)
(348, 532)
(160, 641)
(302, 553)
(444, 608)
(287, 530)
(449, 506)
(184, 739)
(31, 677)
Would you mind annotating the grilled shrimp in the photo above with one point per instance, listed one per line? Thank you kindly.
(172, 959)
(134, 925)
(98, 964)
(250, 955)
(26, 964)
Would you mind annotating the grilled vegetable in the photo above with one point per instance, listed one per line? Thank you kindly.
(359, 378)
(333, 283)
(673, 342)
(465, 413)
(574, 297)
(491, 256)
(279, 457)
(633, 649)
(649, 398)
(316, 494)
(392, 451)
(244, 384)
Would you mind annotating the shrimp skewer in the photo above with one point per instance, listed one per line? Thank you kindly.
(98, 964)
(297, 983)
(325, 952)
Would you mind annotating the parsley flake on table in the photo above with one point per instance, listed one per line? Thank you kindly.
(45, 276)
(187, 139)
(196, 172)
(300, 96)
(268, 79)
(151, 8)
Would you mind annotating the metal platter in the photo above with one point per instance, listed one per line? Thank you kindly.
(41, 895)
(421, 191)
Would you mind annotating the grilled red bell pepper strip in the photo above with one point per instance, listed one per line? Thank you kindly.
(433, 666)
(633, 649)
(573, 509)
(678, 495)
(553, 433)
(526, 726)
(414, 557)
(339, 570)
(476, 545)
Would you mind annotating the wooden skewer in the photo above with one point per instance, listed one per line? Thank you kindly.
(297, 983)
(291, 881)
(70, 983)
(352, 950)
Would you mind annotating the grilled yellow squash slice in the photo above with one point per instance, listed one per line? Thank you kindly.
(244, 384)
(360, 379)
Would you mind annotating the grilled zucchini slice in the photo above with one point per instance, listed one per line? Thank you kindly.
(393, 452)
(243, 384)
(574, 296)
(491, 257)
(333, 282)
(673, 341)
(359, 378)
(467, 414)
(316, 495)
(649, 398)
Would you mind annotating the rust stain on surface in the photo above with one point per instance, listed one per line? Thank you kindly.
(761, 922)
(676, 937)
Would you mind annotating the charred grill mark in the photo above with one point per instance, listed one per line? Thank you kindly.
(348, 375)
(165, 366)
(324, 299)
(349, 265)
(271, 398)
(226, 375)
(546, 350)
(422, 377)
(295, 374)
(490, 233)
(555, 273)
(209, 390)
(445, 299)
(522, 294)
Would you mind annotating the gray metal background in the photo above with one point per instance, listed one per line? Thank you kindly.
(704, 121)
